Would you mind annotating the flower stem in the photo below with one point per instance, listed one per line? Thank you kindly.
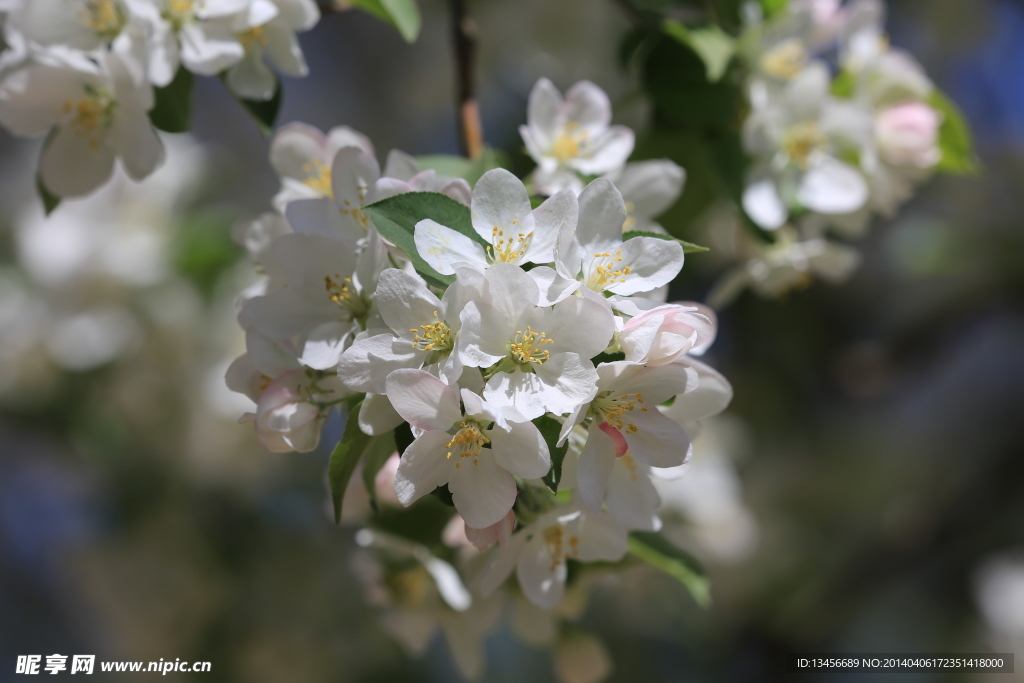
(464, 35)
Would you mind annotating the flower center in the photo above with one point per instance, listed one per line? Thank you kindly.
(180, 12)
(630, 464)
(606, 272)
(356, 211)
(800, 141)
(528, 347)
(408, 588)
(508, 250)
(467, 442)
(435, 336)
(90, 114)
(341, 292)
(569, 144)
(560, 545)
(785, 60)
(106, 17)
(613, 410)
(318, 177)
(254, 37)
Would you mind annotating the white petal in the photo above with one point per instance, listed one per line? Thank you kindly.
(405, 303)
(325, 344)
(510, 290)
(602, 213)
(139, 145)
(594, 467)
(658, 440)
(609, 152)
(542, 110)
(484, 335)
(549, 218)
(251, 79)
(283, 50)
(294, 150)
(521, 450)
(764, 205)
(321, 217)
(423, 400)
(587, 106)
(570, 381)
(602, 539)
(74, 164)
(443, 247)
(210, 49)
(423, 467)
(541, 579)
(652, 262)
(377, 416)
(524, 391)
(576, 325)
(483, 493)
(553, 287)
(501, 564)
(832, 186)
(500, 200)
(650, 186)
(353, 173)
(631, 498)
(711, 396)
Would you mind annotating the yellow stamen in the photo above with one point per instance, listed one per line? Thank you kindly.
(800, 141)
(510, 250)
(435, 336)
(785, 60)
(605, 272)
(526, 348)
(468, 442)
(106, 17)
(613, 410)
(318, 177)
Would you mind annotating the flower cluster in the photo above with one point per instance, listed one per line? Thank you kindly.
(523, 347)
(84, 72)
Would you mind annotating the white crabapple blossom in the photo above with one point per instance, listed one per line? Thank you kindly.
(78, 24)
(666, 333)
(648, 188)
(474, 449)
(274, 41)
(302, 156)
(502, 216)
(95, 111)
(571, 137)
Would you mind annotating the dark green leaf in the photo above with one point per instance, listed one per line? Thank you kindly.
(264, 112)
(403, 437)
(49, 199)
(549, 429)
(713, 45)
(955, 140)
(404, 15)
(344, 459)
(396, 217)
(444, 495)
(378, 450)
(688, 247)
(607, 357)
(172, 108)
(663, 555)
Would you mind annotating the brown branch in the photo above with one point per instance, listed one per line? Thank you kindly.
(464, 36)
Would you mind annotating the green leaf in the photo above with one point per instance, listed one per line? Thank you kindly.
(344, 459)
(396, 217)
(843, 85)
(378, 450)
(955, 139)
(404, 15)
(172, 108)
(773, 7)
(264, 112)
(49, 199)
(663, 555)
(688, 247)
(714, 46)
(550, 428)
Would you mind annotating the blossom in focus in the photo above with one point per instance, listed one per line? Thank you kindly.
(648, 189)
(666, 333)
(451, 448)
(571, 137)
(97, 111)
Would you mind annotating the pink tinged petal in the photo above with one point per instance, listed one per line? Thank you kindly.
(74, 164)
(764, 205)
(570, 381)
(652, 263)
(655, 384)
(657, 440)
(389, 187)
(482, 491)
(711, 396)
(443, 247)
(377, 416)
(484, 335)
(423, 467)
(541, 576)
(500, 201)
(521, 450)
(553, 287)
(632, 498)
(832, 186)
(423, 400)
(353, 174)
(295, 149)
(400, 165)
(615, 435)
(587, 106)
(499, 532)
(549, 218)
(610, 151)
(405, 303)
(595, 466)
(543, 110)
(340, 137)
(602, 539)
(458, 189)
(602, 213)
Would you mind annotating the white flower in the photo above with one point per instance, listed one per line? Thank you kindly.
(503, 218)
(799, 134)
(274, 40)
(302, 156)
(402, 174)
(572, 137)
(538, 553)
(77, 24)
(423, 332)
(666, 333)
(538, 356)
(202, 35)
(648, 188)
(451, 448)
(907, 134)
(595, 254)
(97, 111)
(353, 175)
(624, 416)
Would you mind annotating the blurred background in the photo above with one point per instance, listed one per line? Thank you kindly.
(865, 491)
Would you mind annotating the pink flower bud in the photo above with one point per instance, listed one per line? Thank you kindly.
(907, 134)
(663, 334)
(496, 533)
(285, 421)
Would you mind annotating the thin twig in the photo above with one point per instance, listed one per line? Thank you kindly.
(464, 36)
